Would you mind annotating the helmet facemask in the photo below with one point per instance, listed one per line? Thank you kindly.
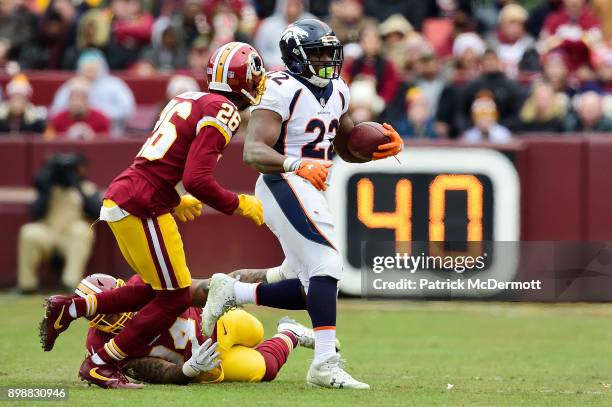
(112, 323)
(255, 74)
(324, 62)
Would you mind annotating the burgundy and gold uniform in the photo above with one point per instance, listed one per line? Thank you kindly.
(185, 145)
(184, 148)
(244, 357)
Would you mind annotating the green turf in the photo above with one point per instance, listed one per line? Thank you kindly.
(493, 354)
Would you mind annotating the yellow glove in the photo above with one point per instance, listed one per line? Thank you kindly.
(188, 209)
(250, 207)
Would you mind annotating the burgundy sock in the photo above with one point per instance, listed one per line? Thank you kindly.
(275, 352)
(155, 317)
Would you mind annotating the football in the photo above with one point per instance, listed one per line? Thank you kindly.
(365, 138)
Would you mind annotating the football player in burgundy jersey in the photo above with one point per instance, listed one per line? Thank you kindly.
(176, 355)
(179, 158)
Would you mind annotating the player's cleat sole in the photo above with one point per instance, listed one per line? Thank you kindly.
(305, 335)
(330, 375)
(105, 376)
(56, 320)
(221, 298)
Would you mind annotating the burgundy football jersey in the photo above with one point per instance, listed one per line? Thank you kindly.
(173, 345)
(185, 145)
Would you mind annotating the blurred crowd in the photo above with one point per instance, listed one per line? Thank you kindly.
(473, 69)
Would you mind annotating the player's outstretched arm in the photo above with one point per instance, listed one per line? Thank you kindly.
(262, 133)
(204, 360)
(155, 370)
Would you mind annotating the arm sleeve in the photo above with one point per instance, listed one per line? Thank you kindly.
(198, 177)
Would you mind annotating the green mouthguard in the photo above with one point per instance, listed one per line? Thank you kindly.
(327, 72)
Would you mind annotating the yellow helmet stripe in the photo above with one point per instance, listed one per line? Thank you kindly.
(218, 69)
(85, 290)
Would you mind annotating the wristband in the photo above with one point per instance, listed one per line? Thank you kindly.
(291, 164)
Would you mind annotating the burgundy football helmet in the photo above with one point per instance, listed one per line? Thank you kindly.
(97, 283)
(237, 68)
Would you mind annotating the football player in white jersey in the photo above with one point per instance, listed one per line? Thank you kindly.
(293, 134)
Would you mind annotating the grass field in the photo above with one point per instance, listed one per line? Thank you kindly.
(493, 355)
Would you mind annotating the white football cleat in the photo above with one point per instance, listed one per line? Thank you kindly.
(330, 375)
(221, 298)
(305, 335)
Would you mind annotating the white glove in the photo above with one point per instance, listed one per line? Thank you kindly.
(203, 358)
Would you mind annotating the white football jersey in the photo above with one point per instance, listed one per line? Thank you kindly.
(310, 115)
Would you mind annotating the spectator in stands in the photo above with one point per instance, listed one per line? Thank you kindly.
(189, 21)
(544, 110)
(429, 78)
(233, 20)
(417, 121)
(507, 93)
(365, 105)
(93, 32)
(56, 31)
(199, 54)
(62, 213)
(515, 48)
(79, 120)
(17, 29)
(588, 116)
(347, 19)
(555, 72)
(166, 52)
(539, 13)
(373, 65)
(108, 93)
(468, 49)
(17, 113)
(395, 32)
(603, 82)
(271, 28)
(574, 30)
(485, 119)
(131, 28)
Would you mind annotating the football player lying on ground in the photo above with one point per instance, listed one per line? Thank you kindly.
(182, 355)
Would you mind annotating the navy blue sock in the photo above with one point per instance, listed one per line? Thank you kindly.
(321, 300)
(286, 294)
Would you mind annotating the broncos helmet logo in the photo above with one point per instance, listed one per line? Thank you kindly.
(294, 32)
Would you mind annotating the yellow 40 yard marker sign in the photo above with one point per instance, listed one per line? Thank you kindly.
(434, 195)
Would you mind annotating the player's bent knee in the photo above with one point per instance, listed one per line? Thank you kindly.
(238, 327)
(32, 232)
(330, 266)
